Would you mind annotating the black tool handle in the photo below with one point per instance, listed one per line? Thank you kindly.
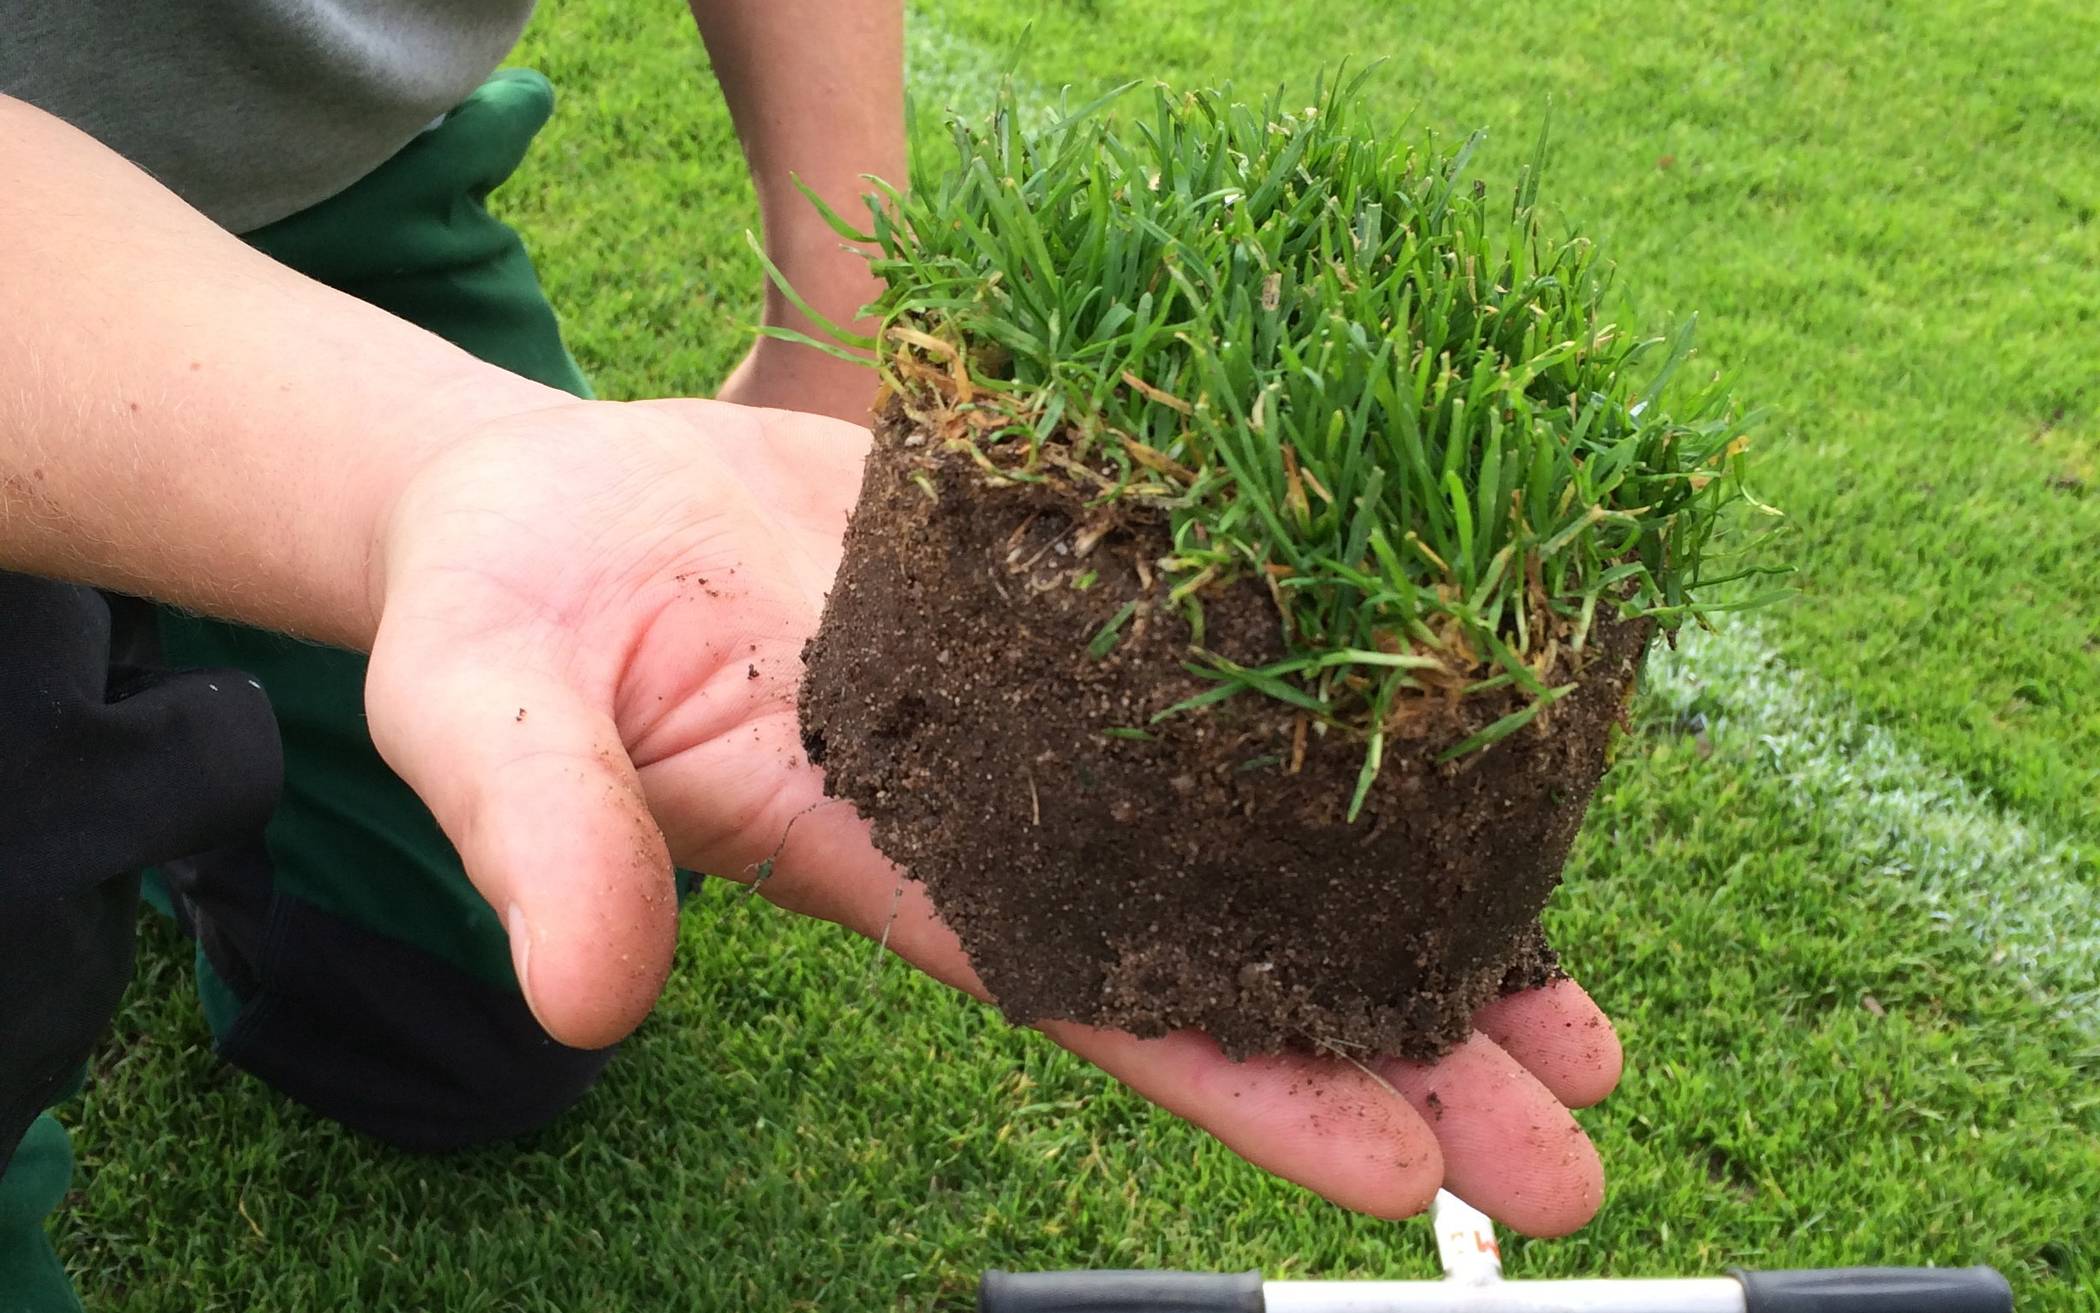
(1877, 1290)
(1119, 1292)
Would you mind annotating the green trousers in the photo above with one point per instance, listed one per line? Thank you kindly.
(353, 903)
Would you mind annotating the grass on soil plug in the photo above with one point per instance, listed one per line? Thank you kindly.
(1333, 365)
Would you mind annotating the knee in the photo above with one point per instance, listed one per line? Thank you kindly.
(385, 1037)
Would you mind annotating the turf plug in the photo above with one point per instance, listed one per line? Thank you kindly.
(1264, 529)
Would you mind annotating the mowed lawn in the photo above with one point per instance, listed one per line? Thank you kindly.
(1840, 892)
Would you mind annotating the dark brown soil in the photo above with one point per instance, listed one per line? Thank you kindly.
(1193, 880)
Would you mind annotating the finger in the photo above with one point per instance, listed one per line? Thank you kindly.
(1510, 1148)
(767, 823)
(532, 786)
(1561, 1037)
(1334, 1128)
(886, 905)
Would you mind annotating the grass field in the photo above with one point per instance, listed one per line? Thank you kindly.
(1849, 928)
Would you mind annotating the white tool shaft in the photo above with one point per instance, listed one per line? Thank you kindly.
(1714, 1295)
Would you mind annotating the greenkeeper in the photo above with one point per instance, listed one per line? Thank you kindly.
(342, 953)
(267, 360)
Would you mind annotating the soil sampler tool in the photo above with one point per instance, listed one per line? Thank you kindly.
(1473, 1284)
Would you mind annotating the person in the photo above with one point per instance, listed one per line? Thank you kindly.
(433, 706)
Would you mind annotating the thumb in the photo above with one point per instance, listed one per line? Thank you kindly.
(533, 787)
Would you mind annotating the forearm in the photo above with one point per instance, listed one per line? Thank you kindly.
(816, 88)
(185, 419)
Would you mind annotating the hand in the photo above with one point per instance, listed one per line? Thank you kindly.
(777, 375)
(591, 621)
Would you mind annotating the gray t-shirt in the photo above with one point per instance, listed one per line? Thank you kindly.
(253, 109)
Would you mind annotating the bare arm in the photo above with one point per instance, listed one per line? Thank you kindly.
(181, 417)
(816, 88)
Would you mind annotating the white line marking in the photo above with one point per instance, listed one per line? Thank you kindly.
(2017, 888)
(949, 71)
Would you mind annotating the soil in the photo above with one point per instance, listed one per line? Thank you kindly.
(1194, 879)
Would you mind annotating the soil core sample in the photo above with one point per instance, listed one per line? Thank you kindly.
(1191, 878)
(1262, 535)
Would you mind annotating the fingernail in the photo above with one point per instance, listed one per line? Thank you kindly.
(521, 957)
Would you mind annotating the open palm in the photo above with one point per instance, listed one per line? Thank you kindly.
(592, 619)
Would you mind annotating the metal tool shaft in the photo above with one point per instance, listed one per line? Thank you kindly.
(1473, 1283)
